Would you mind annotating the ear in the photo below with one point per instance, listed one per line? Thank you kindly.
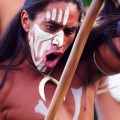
(25, 21)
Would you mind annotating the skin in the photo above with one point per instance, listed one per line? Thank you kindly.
(19, 98)
(29, 103)
(107, 55)
(107, 107)
(7, 11)
(43, 43)
(52, 31)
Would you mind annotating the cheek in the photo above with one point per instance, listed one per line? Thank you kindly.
(43, 47)
(69, 41)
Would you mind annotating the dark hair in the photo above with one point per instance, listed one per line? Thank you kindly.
(111, 7)
(12, 42)
(108, 27)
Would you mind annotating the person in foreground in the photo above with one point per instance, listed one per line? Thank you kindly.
(33, 52)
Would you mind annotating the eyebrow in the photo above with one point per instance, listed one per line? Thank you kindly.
(54, 23)
(72, 28)
(61, 25)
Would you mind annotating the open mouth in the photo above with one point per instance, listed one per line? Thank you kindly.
(52, 59)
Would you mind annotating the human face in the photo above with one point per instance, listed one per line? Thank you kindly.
(52, 32)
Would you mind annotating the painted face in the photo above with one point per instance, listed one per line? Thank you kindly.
(51, 33)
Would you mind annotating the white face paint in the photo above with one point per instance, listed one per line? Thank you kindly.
(59, 39)
(60, 15)
(54, 12)
(41, 41)
(48, 15)
(54, 16)
(34, 43)
(66, 15)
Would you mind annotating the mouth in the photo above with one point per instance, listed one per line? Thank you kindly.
(52, 59)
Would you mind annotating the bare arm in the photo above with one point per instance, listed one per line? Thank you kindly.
(108, 99)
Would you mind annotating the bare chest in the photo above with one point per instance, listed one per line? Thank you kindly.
(23, 100)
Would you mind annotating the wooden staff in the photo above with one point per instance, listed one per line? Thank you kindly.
(73, 59)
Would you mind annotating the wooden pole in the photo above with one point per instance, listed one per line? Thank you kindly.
(73, 59)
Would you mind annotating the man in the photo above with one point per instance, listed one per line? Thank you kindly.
(36, 39)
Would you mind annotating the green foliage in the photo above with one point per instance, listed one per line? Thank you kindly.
(87, 2)
(95, 114)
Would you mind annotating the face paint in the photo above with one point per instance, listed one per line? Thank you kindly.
(66, 15)
(59, 39)
(45, 46)
(40, 67)
(77, 95)
(41, 42)
(60, 15)
(48, 15)
(39, 36)
(53, 15)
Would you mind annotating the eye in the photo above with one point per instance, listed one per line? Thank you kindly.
(52, 28)
(69, 31)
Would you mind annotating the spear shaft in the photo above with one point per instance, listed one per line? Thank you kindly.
(73, 59)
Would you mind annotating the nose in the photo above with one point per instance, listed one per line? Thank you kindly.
(59, 39)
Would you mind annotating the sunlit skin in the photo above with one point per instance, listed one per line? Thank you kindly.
(107, 104)
(19, 97)
(23, 106)
(50, 35)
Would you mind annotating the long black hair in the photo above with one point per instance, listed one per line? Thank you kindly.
(12, 42)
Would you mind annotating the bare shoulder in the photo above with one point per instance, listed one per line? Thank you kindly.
(107, 58)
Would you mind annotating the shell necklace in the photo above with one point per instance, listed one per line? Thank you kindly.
(43, 82)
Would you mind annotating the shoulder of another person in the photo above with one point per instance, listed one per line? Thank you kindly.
(105, 58)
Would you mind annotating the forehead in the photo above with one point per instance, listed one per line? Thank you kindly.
(61, 5)
(61, 8)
